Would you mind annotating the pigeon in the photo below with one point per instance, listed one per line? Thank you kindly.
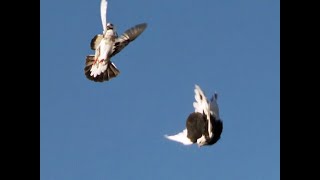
(203, 126)
(99, 67)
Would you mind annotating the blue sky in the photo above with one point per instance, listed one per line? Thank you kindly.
(115, 129)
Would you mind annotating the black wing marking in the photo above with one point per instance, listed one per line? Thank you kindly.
(96, 41)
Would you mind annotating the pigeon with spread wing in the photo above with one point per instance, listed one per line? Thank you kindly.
(203, 126)
(99, 67)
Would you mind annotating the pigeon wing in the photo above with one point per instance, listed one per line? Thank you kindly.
(214, 108)
(127, 37)
(201, 105)
(103, 14)
(180, 137)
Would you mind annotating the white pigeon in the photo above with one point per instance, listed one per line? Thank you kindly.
(203, 126)
(99, 67)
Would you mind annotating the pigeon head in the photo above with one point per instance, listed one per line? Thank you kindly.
(109, 26)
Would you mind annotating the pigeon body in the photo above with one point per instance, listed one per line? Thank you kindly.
(203, 126)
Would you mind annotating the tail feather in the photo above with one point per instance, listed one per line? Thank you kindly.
(101, 72)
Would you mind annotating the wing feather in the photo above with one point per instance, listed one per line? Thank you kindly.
(127, 37)
(180, 137)
(103, 14)
(201, 105)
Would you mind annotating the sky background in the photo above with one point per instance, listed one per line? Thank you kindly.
(115, 130)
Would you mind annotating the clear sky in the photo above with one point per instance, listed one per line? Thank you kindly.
(115, 130)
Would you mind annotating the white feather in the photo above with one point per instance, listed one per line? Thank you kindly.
(201, 105)
(180, 137)
(103, 13)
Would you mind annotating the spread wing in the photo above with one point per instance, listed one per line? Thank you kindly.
(127, 37)
(103, 14)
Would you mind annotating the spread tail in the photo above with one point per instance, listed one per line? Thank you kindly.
(100, 71)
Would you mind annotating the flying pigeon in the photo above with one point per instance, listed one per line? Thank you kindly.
(203, 126)
(99, 67)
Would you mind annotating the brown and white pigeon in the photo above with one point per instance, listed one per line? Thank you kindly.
(203, 126)
(99, 67)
